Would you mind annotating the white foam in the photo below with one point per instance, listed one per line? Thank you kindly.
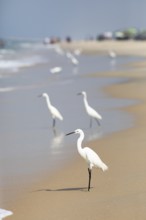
(32, 46)
(15, 65)
(7, 89)
(7, 52)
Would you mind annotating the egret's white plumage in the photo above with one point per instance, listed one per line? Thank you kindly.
(4, 213)
(54, 111)
(77, 52)
(56, 69)
(72, 58)
(69, 55)
(59, 50)
(90, 111)
(92, 158)
(112, 54)
(74, 61)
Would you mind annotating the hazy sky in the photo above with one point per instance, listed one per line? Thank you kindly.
(76, 18)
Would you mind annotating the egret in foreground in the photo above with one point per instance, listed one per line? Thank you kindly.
(54, 111)
(90, 111)
(4, 213)
(92, 159)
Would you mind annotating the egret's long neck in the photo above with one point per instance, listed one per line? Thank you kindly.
(85, 101)
(48, 101)
(79, 144)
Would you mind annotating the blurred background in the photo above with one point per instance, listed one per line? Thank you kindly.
(79, 19)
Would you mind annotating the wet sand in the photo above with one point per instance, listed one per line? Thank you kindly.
(118, 193)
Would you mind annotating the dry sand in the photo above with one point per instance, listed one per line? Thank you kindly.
(130, 47)
(119, 193)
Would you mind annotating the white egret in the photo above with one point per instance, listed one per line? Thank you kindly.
(54, 111)
(92, 159)
(112, 54)
(74, 61)
(72, 58)
(90, 111)
(56, 69)
(77, 52)
(4, 213)
(59, 50)
(69, 55)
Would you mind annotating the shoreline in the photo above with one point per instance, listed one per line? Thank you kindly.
(117, 194)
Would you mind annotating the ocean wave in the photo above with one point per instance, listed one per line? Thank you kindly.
(15, 65)
(31, 46)
(7, 89)
(7, 52)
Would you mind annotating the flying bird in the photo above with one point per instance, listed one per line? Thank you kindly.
(90, 111)
(91, 157)
(54, 111)
(56, 69)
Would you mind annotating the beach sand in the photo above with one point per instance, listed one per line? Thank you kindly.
(131, 47)
(118, 193)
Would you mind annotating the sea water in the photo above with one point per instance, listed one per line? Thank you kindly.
(29, 146)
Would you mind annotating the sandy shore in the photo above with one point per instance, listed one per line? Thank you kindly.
(137, 48)
(116, 194)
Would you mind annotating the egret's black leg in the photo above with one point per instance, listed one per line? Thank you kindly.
(54, 122)
(89, 171)
(54, 131)
(90, 122)
(97, 121)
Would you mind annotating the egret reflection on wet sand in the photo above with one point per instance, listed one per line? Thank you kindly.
(92, 159)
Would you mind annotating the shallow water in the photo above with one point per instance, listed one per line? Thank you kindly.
(29, 147)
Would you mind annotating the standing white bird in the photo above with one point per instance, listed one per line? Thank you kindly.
(77, 52)
(112, 54)
(92, 159)
(4, 213)
(54, 111)
(72, 58)
(90, 111)
(74, 61)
